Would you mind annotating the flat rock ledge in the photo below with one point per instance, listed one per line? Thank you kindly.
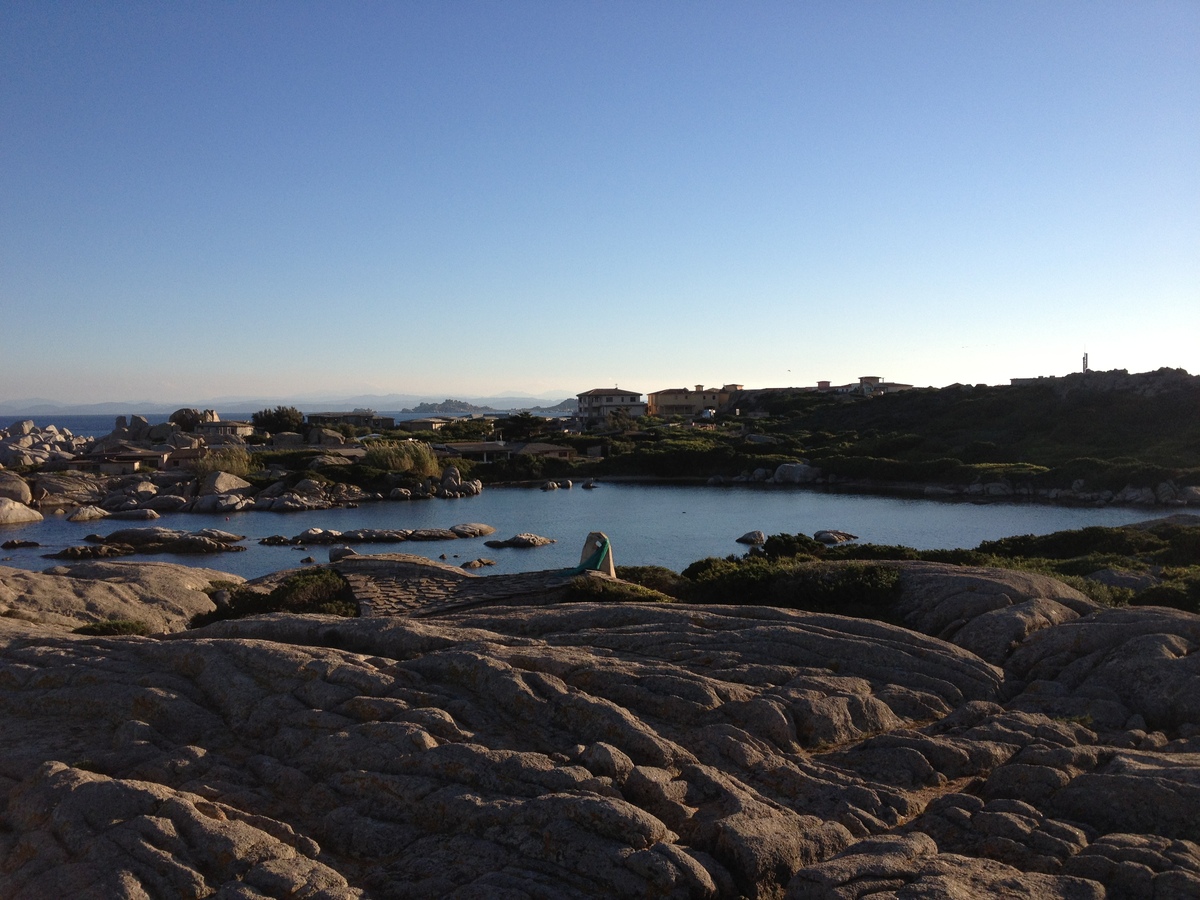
(611, 750)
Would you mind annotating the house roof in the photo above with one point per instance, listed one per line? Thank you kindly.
(476, 446)
(537, 448)
(596, 392)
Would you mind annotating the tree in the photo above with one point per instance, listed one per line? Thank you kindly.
(281, 418)
(466, 430)
(521, 427)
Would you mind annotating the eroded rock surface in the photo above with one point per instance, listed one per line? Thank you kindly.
(604, 750)
(163, 596)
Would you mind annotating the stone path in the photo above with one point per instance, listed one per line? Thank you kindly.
(401, 584)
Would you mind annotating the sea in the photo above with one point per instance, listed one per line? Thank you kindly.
(648, 524)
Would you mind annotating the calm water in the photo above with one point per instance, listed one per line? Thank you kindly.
(648, 524)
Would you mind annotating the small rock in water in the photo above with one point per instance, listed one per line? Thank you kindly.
(834, 537)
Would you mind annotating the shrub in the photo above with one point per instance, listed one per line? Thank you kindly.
(604, 590)
(321, 591)
(855, 589)
(414, 457)
(780, 546)
(656, 578)
(234, 460)
(1176, 595)
(281, 418)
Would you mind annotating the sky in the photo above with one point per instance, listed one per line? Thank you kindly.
(467, 199)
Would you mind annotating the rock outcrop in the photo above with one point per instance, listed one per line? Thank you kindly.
(612, 750)
(13, 512)
(523, 540)
(163, 596)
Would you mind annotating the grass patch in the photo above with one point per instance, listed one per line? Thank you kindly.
(413, 457)
(233, 460)
(603, 590)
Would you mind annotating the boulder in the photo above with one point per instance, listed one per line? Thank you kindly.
(472, 530)
(325, 437)
(87, 514)
(14, 513)
(432, 534)
(221, 503)
(796, 473)
(161, 432)
(834, 537)
(61, 490)
(223, 483)
(320, 462)
(135, 514)
(478, 563)
(754, 538)
(13, 487)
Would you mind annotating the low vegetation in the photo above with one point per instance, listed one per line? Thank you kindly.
(321, 591)
(234, 460)
(795, 572)
(279, 419)
(411, 457)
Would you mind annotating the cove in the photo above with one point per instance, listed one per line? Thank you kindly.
(662, 525)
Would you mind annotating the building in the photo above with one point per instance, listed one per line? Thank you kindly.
(868, 386)
(431, 423)
(549, 451)
(121, 459)
(186, 457)
(599, 403)
(477, 451)
(229, 428)
(686, 402)
(359, 418)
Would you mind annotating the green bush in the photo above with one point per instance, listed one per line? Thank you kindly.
(1181, 594)
(605, 590)
(281, 418)
(656, 578)
(786, 546)
(321, 591)
(855, 589)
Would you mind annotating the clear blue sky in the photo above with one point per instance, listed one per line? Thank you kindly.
(208, 199)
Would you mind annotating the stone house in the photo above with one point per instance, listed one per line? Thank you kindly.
(595, 405)
(231, 428)
(688, 402)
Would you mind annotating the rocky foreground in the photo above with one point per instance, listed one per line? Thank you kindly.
(1014, 741)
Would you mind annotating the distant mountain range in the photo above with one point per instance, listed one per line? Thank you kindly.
(39, 406)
